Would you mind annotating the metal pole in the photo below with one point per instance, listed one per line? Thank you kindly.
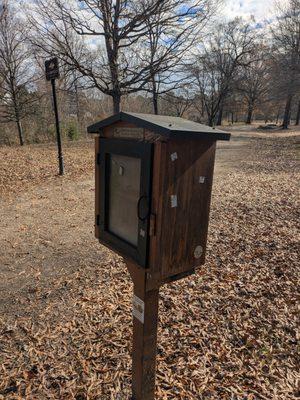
(58, 137)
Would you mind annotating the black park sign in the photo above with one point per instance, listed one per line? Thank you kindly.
(52, 69)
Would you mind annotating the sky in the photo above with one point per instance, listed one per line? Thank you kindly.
(262, 10)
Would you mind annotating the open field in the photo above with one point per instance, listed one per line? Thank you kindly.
(251, 131)
(229, 332)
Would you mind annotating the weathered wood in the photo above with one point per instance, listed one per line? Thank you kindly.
(144, 348)
(157, 207)
(176, 232)
(145, 345)
(182, 243)
(97, 186)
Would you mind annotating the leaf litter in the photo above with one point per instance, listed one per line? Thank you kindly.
(230, 332)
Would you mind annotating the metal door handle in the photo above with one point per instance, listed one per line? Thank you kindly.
(143, 217)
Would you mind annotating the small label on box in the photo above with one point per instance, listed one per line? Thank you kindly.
(142, 233)
(201, 179)
(174, 201)
(138, 308)
(198, 252)
(174, 156)
(128, 133)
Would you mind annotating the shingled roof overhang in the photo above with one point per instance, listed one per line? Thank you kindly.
(171, 127)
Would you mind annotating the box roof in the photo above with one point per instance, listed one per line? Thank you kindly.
(164, 125)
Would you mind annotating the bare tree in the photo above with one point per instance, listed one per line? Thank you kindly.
(170, 39)
(214, 69)
(15, 71)
(178, 102)
(253, 81)
(286, 37)
(112, 33)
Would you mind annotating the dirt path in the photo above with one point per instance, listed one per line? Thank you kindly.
(255, 131)
(46, 228)
(47, 231)
(65, 300)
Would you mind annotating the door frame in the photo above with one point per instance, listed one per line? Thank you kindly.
(130, 148)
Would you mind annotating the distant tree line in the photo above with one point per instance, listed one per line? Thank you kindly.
(160, 56)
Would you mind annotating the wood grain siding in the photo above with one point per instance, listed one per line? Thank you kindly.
(181, 168)
(184, 227)
(97, 186)
(158, 176)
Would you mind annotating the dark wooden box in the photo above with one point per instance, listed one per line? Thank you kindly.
(177, 164)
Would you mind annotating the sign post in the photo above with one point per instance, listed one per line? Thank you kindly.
(52, 73)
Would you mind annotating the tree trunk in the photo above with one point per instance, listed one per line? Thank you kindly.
(154, 94)
(20, 132)
(298, 115)
(116, 103)
(211, 120)
(232, 117)
(220, 116)
(17, 119)
(78, 113)
(155, 102)
(287, 113)
(249, 115)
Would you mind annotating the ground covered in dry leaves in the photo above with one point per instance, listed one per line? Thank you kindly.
(229, 332)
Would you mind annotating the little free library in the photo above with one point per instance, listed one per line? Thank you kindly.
(154, 179)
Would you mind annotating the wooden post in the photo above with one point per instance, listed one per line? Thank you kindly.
(145, 311)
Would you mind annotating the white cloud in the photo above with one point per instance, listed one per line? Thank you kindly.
(262, 10)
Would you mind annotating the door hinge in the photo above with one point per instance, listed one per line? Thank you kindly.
(152, 225)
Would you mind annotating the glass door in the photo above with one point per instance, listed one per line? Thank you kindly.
(125, 174)
(124, 194)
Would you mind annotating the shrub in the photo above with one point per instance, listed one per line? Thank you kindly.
(72, 131)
